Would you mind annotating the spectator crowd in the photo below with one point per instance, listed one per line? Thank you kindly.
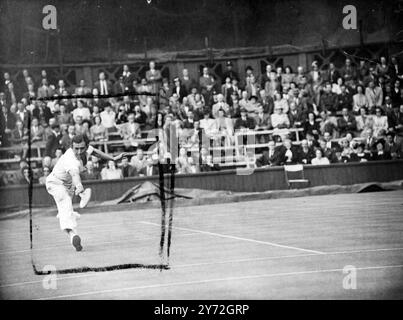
(350, 113)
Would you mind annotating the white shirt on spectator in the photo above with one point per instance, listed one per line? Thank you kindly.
(321, 161)
(108, 119)
(83, 112)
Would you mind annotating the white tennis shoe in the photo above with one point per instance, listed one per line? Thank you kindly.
(85, 197)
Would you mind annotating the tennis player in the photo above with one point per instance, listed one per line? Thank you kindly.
(64, 182)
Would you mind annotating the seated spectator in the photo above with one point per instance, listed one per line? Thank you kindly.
(46, 172)
(296, 116)
(139, 116)
(79, 126)
(336, 87)
(346, 149)
(90, 173)
(279, 120)
(252, 106)
(262, 120)
(327, 136)
(279, 101)
(53, 141)
(221, 104)
(81, 111)
(139, 162)
(65, 142)
(392, 146)
(187, 81)
(121, 116)
(359, 154)
(182, 162)
(108, 117)
(374, 95)
(380, 122)
(319, 158)
(58, 154)
(252, 88)
(380, 154)
(26, 175)
(344, 99)
(64, 117)
(326, 150)
(328, 100)
(287, 77)
(290, 152)
(207, 124)
(346, 123)
(97, 131)
(311, 126)
(359, 99)
(327, 125)
(305, 154)
(244, 101)
(363, 120)
(127, 170)
(96, 163)
(223, 126)
(20, 134)
(130, 130)
(37, 131)
(244, 122)
(271, 156)
(110, 172)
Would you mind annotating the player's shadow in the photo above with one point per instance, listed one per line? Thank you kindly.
(102, 269)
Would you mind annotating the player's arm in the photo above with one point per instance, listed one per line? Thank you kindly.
(76, 180)
(106, 156)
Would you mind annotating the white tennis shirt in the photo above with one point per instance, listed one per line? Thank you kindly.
(67, 164)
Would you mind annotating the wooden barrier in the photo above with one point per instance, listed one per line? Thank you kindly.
(261, 180)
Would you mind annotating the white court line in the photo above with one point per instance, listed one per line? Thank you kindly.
(184, 283)
(238, 238)
(3, 252)
(15, 284)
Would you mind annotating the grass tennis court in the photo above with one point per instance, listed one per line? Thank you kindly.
(293, 248)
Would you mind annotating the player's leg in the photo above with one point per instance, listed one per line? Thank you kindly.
(67, 216)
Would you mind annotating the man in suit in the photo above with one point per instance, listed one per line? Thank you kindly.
(188, 82)
(91, 173)
(128, 76)
(331, 75)
(206, 83)
(19, 134)
(119, 87)
(346, 123)
(68, 137)
(244, 122)
(349, 72)
(328, 99)
(296, 116)
(61, 88)
(396, 69)
(82, 89)
(271, 156)
(179, 89)
(127, 170)
(53, 141)
(374, 96)
(45, 90)
(305, 154)
(131, 129)
(103, 85)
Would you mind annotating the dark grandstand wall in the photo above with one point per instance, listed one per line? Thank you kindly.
(98, 30)
(260, 180)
